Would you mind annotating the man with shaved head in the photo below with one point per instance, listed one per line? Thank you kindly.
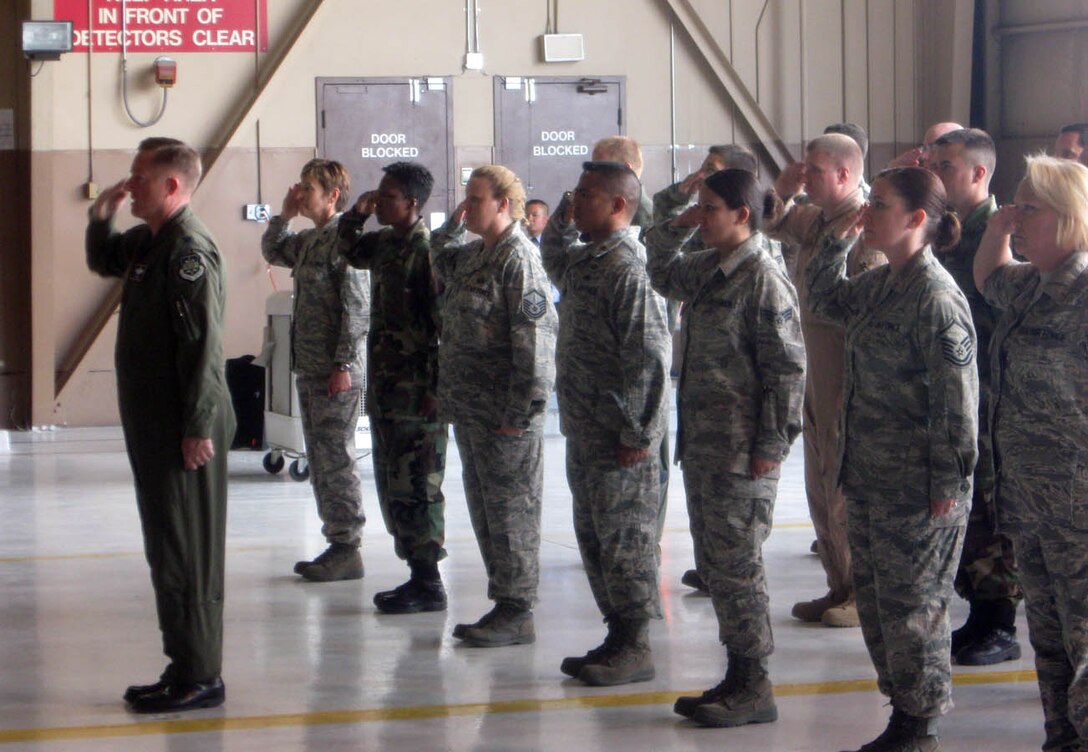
(831, 176)
(987, 576)
(920, 156)
(612, 382)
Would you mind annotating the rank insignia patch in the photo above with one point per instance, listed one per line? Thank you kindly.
(777, 318)
(191, 268)
(956, 344)
(534, 304)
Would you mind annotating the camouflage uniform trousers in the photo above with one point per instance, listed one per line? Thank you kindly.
(1054, 574)
(987, 569)
(615, 522)
(409, 463)
(328, 425)
(903, 565)
(730, 518)
(504, 484)
(826, 503)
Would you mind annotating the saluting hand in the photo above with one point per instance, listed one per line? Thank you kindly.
(458, 216)
(1004, 221)
(791, 181)
(690, 217)
(109, 201)
(910, 158)
(693, 181)
(367, 203)
(291, 202)
(196, 452)
(854, 229)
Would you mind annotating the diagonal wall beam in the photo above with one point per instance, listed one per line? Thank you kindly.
(692, 23)
(70, 365)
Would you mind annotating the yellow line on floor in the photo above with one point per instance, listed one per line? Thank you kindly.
(424, 712)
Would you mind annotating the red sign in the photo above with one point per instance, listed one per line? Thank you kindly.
(166, 25)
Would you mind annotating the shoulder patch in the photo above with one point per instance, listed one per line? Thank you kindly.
(776, 318)
(956, 345)
(191, 268)
(534, 304)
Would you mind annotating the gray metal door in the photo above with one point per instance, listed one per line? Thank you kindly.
(545, 127)
(367, 123)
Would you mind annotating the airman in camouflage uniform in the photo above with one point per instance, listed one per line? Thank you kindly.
(328, 332)
(1039, 420)
(497, 366)
(612, 383)
(907, 453)
(964, 160)
(626, 150)
(409, 442)
(740, 394)
(676, 199)
(831, 174)
(175, 410)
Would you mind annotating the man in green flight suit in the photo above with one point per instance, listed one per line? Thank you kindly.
(175, 409)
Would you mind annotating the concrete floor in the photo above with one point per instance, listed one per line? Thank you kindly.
(314, 667)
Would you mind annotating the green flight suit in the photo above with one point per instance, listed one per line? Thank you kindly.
(170, 385)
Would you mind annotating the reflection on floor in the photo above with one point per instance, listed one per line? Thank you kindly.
(313, 667)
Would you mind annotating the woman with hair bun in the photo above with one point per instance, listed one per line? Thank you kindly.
(909, 444)
(740, 393)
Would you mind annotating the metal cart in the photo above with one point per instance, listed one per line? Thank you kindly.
(282, 414)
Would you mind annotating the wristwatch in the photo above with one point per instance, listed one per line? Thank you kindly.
(343, 366)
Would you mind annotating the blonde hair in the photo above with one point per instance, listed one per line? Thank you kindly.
(1062, 184)
(842, 150)
(620, 149)
(504, 184)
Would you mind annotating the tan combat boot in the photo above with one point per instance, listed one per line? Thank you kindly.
(843, 615)
(506, 624)
(338, 562)
(812, 611)
(573, 665)
(749, 699)
(626, 661)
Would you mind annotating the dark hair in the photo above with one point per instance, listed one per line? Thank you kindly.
(175, 154)
(329, 175)
(1081, 129)
(735, 157)
(619, 179)
(854, 131)
(921, 189)
(976, 142)
(537, 202)
(739, 188)
(414, 180)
